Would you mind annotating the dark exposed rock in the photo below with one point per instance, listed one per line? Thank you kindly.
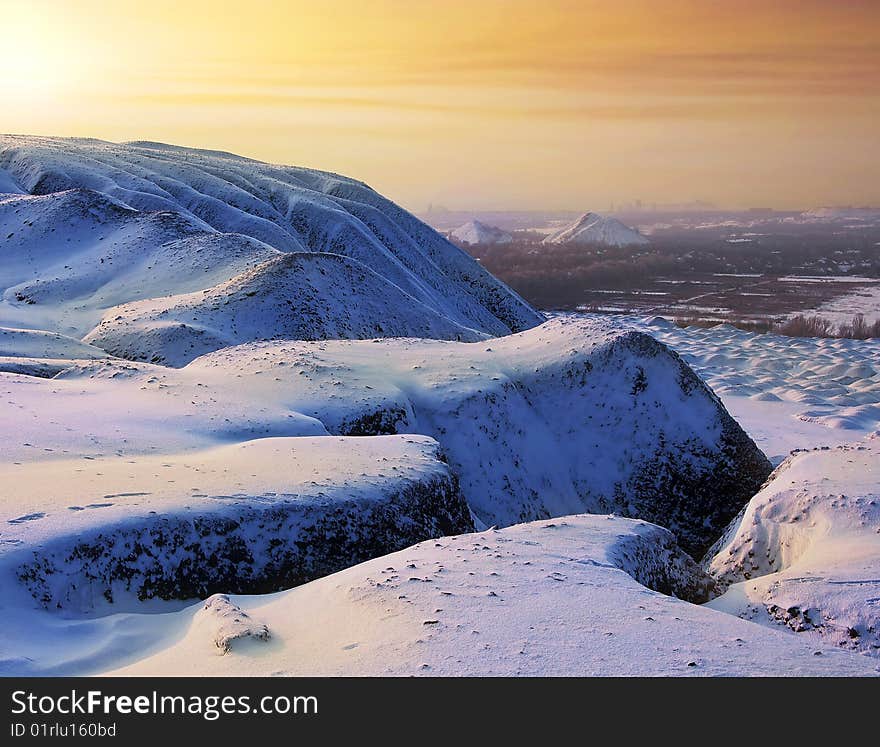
(251, 546)
(569, 417)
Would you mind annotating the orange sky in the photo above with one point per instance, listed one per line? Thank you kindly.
(477, 103)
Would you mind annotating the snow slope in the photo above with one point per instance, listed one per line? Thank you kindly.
(29, 343)
(286, 297)
(575, 415)
(475, 232)
(561, 597)
(102, 224)
(592, 228)
(805, 552)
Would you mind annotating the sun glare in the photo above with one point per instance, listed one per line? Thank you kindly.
(38, 63)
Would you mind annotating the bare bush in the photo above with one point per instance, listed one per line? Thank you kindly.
(798, 326)
(806, 326)
(859, 329)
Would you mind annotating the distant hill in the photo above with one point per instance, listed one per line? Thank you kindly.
(592, 228)
(475, 232)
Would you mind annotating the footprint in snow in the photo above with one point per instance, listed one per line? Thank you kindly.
(27, 517)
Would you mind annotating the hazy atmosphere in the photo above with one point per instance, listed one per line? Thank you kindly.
(507, 104)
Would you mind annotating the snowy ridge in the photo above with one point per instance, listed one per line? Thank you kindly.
(475, 232)
(122, 206)
(592, 228)
(293, 296)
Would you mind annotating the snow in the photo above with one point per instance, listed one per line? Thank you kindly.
(28, 343)
(826, 279)
(260, 514)
(343, 398)
(568, 417)
(105, 224)
(841, 310)
(806, 550)
(592, 228)
(475, 232)
(560, 596)
(786, 392)
(285, 297)
(546, 598)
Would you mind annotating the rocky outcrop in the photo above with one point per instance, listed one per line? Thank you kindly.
(268, 515)
(572, 416)
(228, 623)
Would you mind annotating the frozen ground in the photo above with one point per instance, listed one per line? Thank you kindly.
(864, 301)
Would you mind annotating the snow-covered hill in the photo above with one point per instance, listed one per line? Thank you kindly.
(576, 415)
(88, 225)
(592, 228)
(805, 552)
(475, 232)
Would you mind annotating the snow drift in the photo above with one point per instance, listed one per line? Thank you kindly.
(805, 551)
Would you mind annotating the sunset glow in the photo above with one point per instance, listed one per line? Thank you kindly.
(559, 104)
